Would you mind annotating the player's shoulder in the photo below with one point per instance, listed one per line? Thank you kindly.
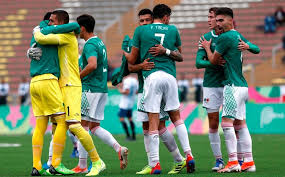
(207, 35)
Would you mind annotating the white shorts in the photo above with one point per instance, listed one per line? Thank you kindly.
(143, 117)
(234, 102)
(213, 97)
(159, 87)
(93, 106)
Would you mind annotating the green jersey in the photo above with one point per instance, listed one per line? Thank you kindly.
(96, 81)
(214, 74)
(227, 46)
(49, 62)
(147, 36)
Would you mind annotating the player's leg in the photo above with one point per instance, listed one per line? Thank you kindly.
(59, 138)
(145, 124)
(75, 146)
(170, 98)
(230, 107)
(242, 130)
(123, 113)
(245, 144)
(154, 143)
(96, 114)
(132, 124)
(214, 137)
(37, 142)
(168, 140)
(212, 101)
(82, 153)
(72, 103)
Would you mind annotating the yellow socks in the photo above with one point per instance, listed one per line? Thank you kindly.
(38, 139)
(59, 138)
(86, 140)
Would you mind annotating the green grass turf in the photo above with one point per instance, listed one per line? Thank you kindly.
(268, 150)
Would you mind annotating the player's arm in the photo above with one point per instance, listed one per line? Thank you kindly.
(51, 39)
(244, 44)
(91, 66)
(160, 50)
(223, 44)
(200, 62)
(132, 57)
(145, 65)
(65, 28)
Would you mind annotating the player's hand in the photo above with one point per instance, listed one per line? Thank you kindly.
(157, 50)
(36, 29)
(221, 61)
(242, 46)
(146, 65)
(126, 54)
(34, 52)
(204, 43)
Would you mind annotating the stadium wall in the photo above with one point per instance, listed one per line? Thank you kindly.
(262, 118)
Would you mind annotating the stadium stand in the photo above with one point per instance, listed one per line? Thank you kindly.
(18, 18)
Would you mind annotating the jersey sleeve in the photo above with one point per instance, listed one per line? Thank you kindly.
(200, 62)
(252, 47)
(65, 28)
(223, 44)
(136, 37)
(51, 39)
(90, 51)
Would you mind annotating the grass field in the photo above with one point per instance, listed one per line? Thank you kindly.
(268, 151)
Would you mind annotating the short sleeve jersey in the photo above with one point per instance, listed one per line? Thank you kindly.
(227, 46)
(214, 75)
(147, 36)
(96, 81)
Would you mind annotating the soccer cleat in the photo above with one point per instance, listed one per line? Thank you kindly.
(145, 171)
(123, 157)
(219, 165)
(42, 172)
(156, 169)
(248, 167)
(190, 164)
(232, 166)
(97, 167)
(178, 166)
(74, 153)
(46, 166)
(77, 169)
(60, 170)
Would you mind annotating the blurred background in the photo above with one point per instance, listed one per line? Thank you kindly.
(260, 21)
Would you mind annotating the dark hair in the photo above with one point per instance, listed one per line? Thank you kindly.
(213, 9)
(87, 21)
(61, 15)
(47, 15)
(145, 12)
(160, 10)
(225, 11)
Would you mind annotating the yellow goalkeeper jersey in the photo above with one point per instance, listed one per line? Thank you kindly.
(67, 54)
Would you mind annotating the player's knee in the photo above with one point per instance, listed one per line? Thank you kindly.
(226, 124)
(122, 119)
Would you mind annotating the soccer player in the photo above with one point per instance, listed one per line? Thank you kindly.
(47, 100)
(95, 91)
(146, 17)
(235, 92)
(212, 87)
(127, 101)
(70, 86)
(160, 85)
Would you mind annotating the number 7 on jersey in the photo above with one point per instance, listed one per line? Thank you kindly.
(161, 37)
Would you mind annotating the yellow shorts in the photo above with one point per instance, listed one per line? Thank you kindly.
(72, 102)
(46, 96)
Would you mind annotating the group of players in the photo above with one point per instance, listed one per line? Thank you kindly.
(57, 93)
